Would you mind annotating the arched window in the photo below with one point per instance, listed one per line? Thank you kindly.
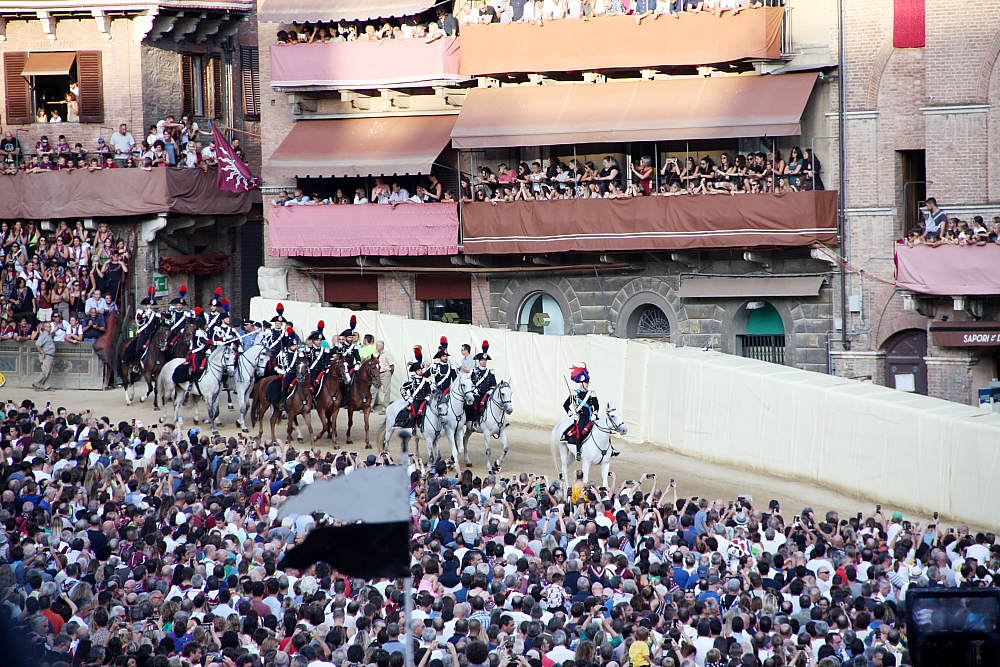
(540, 313)
(765, 334)
(648, 321)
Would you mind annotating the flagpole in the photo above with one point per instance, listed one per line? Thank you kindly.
(408, 611)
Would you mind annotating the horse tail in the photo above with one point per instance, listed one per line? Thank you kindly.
(161, 385)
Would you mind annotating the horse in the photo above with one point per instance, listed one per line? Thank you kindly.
(300, 402)
(493, 422)
(451, 411)
(250, 365)
(359, 396)
(220, 361)
(596, 448)
(181, 349)
(330, 397)
(147, 367)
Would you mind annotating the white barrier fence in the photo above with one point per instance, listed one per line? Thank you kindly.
(909, 450)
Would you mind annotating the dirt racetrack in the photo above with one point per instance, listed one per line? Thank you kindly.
(529, 452)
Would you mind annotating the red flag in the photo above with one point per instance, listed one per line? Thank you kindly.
(234, 175)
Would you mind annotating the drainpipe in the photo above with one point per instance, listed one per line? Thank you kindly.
(842, 230)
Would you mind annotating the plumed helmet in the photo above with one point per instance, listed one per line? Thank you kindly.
(579, 373)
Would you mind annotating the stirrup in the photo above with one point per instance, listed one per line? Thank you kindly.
(615, 452)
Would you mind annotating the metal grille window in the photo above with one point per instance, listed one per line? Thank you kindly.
(767, 347)
(653, 323)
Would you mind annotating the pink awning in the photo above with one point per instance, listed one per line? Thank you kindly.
(949, 270)
(310, 11)
(363, 229)
(366, 64)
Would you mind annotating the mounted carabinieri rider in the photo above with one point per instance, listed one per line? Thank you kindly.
(177, 318)
(483, 380)
(583, 406)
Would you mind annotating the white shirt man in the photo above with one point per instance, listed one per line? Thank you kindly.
(122, 142)
(399, 194)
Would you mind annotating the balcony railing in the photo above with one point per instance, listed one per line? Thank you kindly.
(793, 219)
(388, 63)
(949, 269)
(115, 192)
(770, 348)
(692, 39)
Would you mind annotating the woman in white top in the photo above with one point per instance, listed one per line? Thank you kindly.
(72, 108)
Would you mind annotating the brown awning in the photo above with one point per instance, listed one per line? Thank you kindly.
(360, 147)
(303, 11)
(350, 289)
(50, 63)
(206, 264)
(680, 109)
(701, 288)
(693, 39)
(434, 286)
(794, 219)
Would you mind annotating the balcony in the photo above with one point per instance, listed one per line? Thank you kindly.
(576, 45)
(116, 192)
(346, 65)
(363, 229)
(948, 270)
(651, 223)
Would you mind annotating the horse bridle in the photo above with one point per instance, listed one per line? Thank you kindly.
(465, 397)
(495, 400)
(615, 426)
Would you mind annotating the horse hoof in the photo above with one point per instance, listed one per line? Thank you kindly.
(336, 446)
(349, 442)
(468, 464)
(368, 446)
(162, 419)
(142, 399)
(231, 407)
(245, 429)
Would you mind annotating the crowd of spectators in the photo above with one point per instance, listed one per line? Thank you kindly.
(71, 277)
(140, 546)
(938, 229)
(428, 192)
(578, 179)
(472, 12)
(168, 144)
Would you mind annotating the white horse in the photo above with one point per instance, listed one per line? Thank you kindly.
(596, 448)
(449, 412)
(493, 422)
(221, 360)
(251, 365)
(452, 413)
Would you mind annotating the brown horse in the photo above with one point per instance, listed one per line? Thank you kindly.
(330, 398)
(359, 396)
(148, 366)
(301, 402)
(181, 348)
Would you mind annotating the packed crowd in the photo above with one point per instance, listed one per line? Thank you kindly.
(140, 546)
(428, 192)
(71, 279)
(578, 179)
(168, 144)
(483, 12)
(938, 229)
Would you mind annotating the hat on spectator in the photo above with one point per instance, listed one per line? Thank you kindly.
(370, 460)
(897, 516)
(740, 518)
(713, 580)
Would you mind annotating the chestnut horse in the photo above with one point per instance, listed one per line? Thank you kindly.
(359, 396)
(301, 402)
(330, 397)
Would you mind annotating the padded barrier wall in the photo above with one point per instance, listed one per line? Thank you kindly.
(862, 439)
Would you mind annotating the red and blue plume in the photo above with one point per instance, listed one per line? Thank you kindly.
(198, 311)
(151, 291)
(354, 322)
(225, 305)
(218, 291)
(579, 373)
(444, 343)
(418, 354)
(289, 331)
(184, 291)
(486, 346)
(280, 308)
(320, 326)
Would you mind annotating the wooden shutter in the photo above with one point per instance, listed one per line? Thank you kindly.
(213, 103)
(187, 85)
(91, 80)
(16, 89)
(250, 70)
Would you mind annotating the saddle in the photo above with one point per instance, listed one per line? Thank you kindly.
(273, 393)
(574, 435)
(187, 372)
(318, 382)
